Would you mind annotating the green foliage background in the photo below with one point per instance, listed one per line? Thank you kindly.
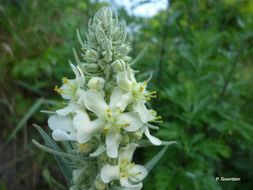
(200, 54)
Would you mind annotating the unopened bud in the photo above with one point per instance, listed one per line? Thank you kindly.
(125, 139)
(96, 83)
(127, 59)
(91, 67)
(124, 49)
(91, 55)
(99, 184)
(137, 135)
(118, 65)
(86, 147)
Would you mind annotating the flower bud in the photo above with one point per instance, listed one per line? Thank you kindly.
(91, 67)
(125, 139)
(124, 49)
(91, 55)
(109, 86)
(127, 59)
(96, 83)
(107, 55)
(137, 135)
(118, 65)
(86, 147)
(99, 184)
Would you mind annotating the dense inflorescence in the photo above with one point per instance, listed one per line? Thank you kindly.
(106, 115)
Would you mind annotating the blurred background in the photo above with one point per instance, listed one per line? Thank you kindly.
(200, 54)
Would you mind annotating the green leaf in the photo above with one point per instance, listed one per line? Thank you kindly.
(184, 51)
(139, 56)
(52, 181)
(55, 152)
(26, 117)
(63, 164)
(151, 163)
(144, 143)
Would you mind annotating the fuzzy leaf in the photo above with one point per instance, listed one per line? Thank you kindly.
(63, 164)
(55, 152)
(144, 143)
(151, 163)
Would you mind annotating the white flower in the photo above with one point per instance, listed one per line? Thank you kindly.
(72, 88)
(129, 174)
(62, 124)
(63, 129)
(154, 140)
(110, 121)
(70, 108)
(135, 93)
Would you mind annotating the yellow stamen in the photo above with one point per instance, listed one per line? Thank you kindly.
(122, 125)
(141, 89)
(106, 130)
(65, 80)
(57, 89)
(158, 119)
(109, 113)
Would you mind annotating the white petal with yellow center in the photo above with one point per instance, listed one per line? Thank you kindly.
(145, 114)
(130, 121)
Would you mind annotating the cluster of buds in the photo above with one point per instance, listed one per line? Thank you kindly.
(106, 115)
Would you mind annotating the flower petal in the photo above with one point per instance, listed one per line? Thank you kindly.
(95, 102)
(112, 141)
(138, 173)
(125, 183)
(109, 173)
(59, 135)
(123, 81)
(100, 149)
(74, 69)
(145, 114)
(80, 96)
(116, 187)
(68, 92)
(80, 79)
(131, 121)
(116, 96)
(153, 140)
(80, 120)
(96, 83)
(60, 122)
(92, 128)
(71, 108)
(120, 99)
(126, 153)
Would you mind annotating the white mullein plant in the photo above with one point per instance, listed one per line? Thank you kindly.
(106, 117)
